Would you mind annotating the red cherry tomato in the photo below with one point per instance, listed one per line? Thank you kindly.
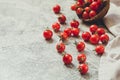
(93, 28)
(62, 19)
(83, 68)
(104, 38)
(47, 34)
(56, 9)
(56, 27)
(68, 31)
(60, 47)
(75, 32)
(94, 6)
(74, 23)
(67, 59)
(85, 15)
(79, 4)
(80, 46)
(100, 31)
(81, 58)
(63, 36)
(74, 7)
(92, 14)
(87, 9)
(79, 11)
(81, 1)
(86, 36)
(94, 39)
(100, 49)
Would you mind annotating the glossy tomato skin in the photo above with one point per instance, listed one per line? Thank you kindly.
(47, 34)
(100, 49)
(92, 14)
(75, 32)
(93, 28)
(94, 6)
(67, 59)
(62, 19)
(74, 24)
(86, 36)
(83, 68)
(60, 47)
(79, 11)
(81, 58)
(85, 15)
(56, 9)
(63, 36)
(80, 46)
(74, 7)
(104, 38)
(100, 31)
(68, 31)
(94, 39)
(56, 27)
(87, 9)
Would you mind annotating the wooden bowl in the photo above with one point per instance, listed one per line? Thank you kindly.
(101, 14)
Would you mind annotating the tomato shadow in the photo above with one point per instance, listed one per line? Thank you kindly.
(70, 65)
(50, 41)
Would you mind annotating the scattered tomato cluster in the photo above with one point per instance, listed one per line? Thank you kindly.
(87, 9)
(94, 36)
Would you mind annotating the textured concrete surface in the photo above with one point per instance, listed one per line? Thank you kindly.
(25, 55)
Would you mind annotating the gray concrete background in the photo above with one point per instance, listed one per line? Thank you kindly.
(25, 55)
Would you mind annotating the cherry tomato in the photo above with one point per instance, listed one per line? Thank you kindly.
(92, 14)
(63, 36)
(83, 68)
(100, 49)
(62, 19)
(81, 1)
(74, 7)
(56, 9)
(80, 46)
(104, 38)
(60, 47)
(100, 31)
(94, 6)
(47, 34)
(87, 9)
(81, 58)
(75, 32)
(93, 28)
(79, 11)
(68, 31)
(56, 27)
(79, 4)
(67, 59)
(94, 39)
(85, 15)
(86, 36)
(74, 23)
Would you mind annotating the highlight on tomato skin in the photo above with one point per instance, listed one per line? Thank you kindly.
(47, 34)
(83, 68)
(67, 59)
(56, 9)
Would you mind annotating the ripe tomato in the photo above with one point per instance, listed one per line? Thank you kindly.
(83, 68)
(94, 39)
(62, 19)
(81, 58)
(75, 32)
(67, 59)
(94, 6)
(79, 11)
(100, 31)
(47, 34)
(85, 15)
(104, 38)
(87, 9)
(86, 36)
(80, 46)
(60, 47)
(56, 27)
(93, 28)
(68, 31)
(56, 9)
(63, 36)
(74, 7)
(74, 23)
(79, 4)
(100, 49)
(92, 14)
